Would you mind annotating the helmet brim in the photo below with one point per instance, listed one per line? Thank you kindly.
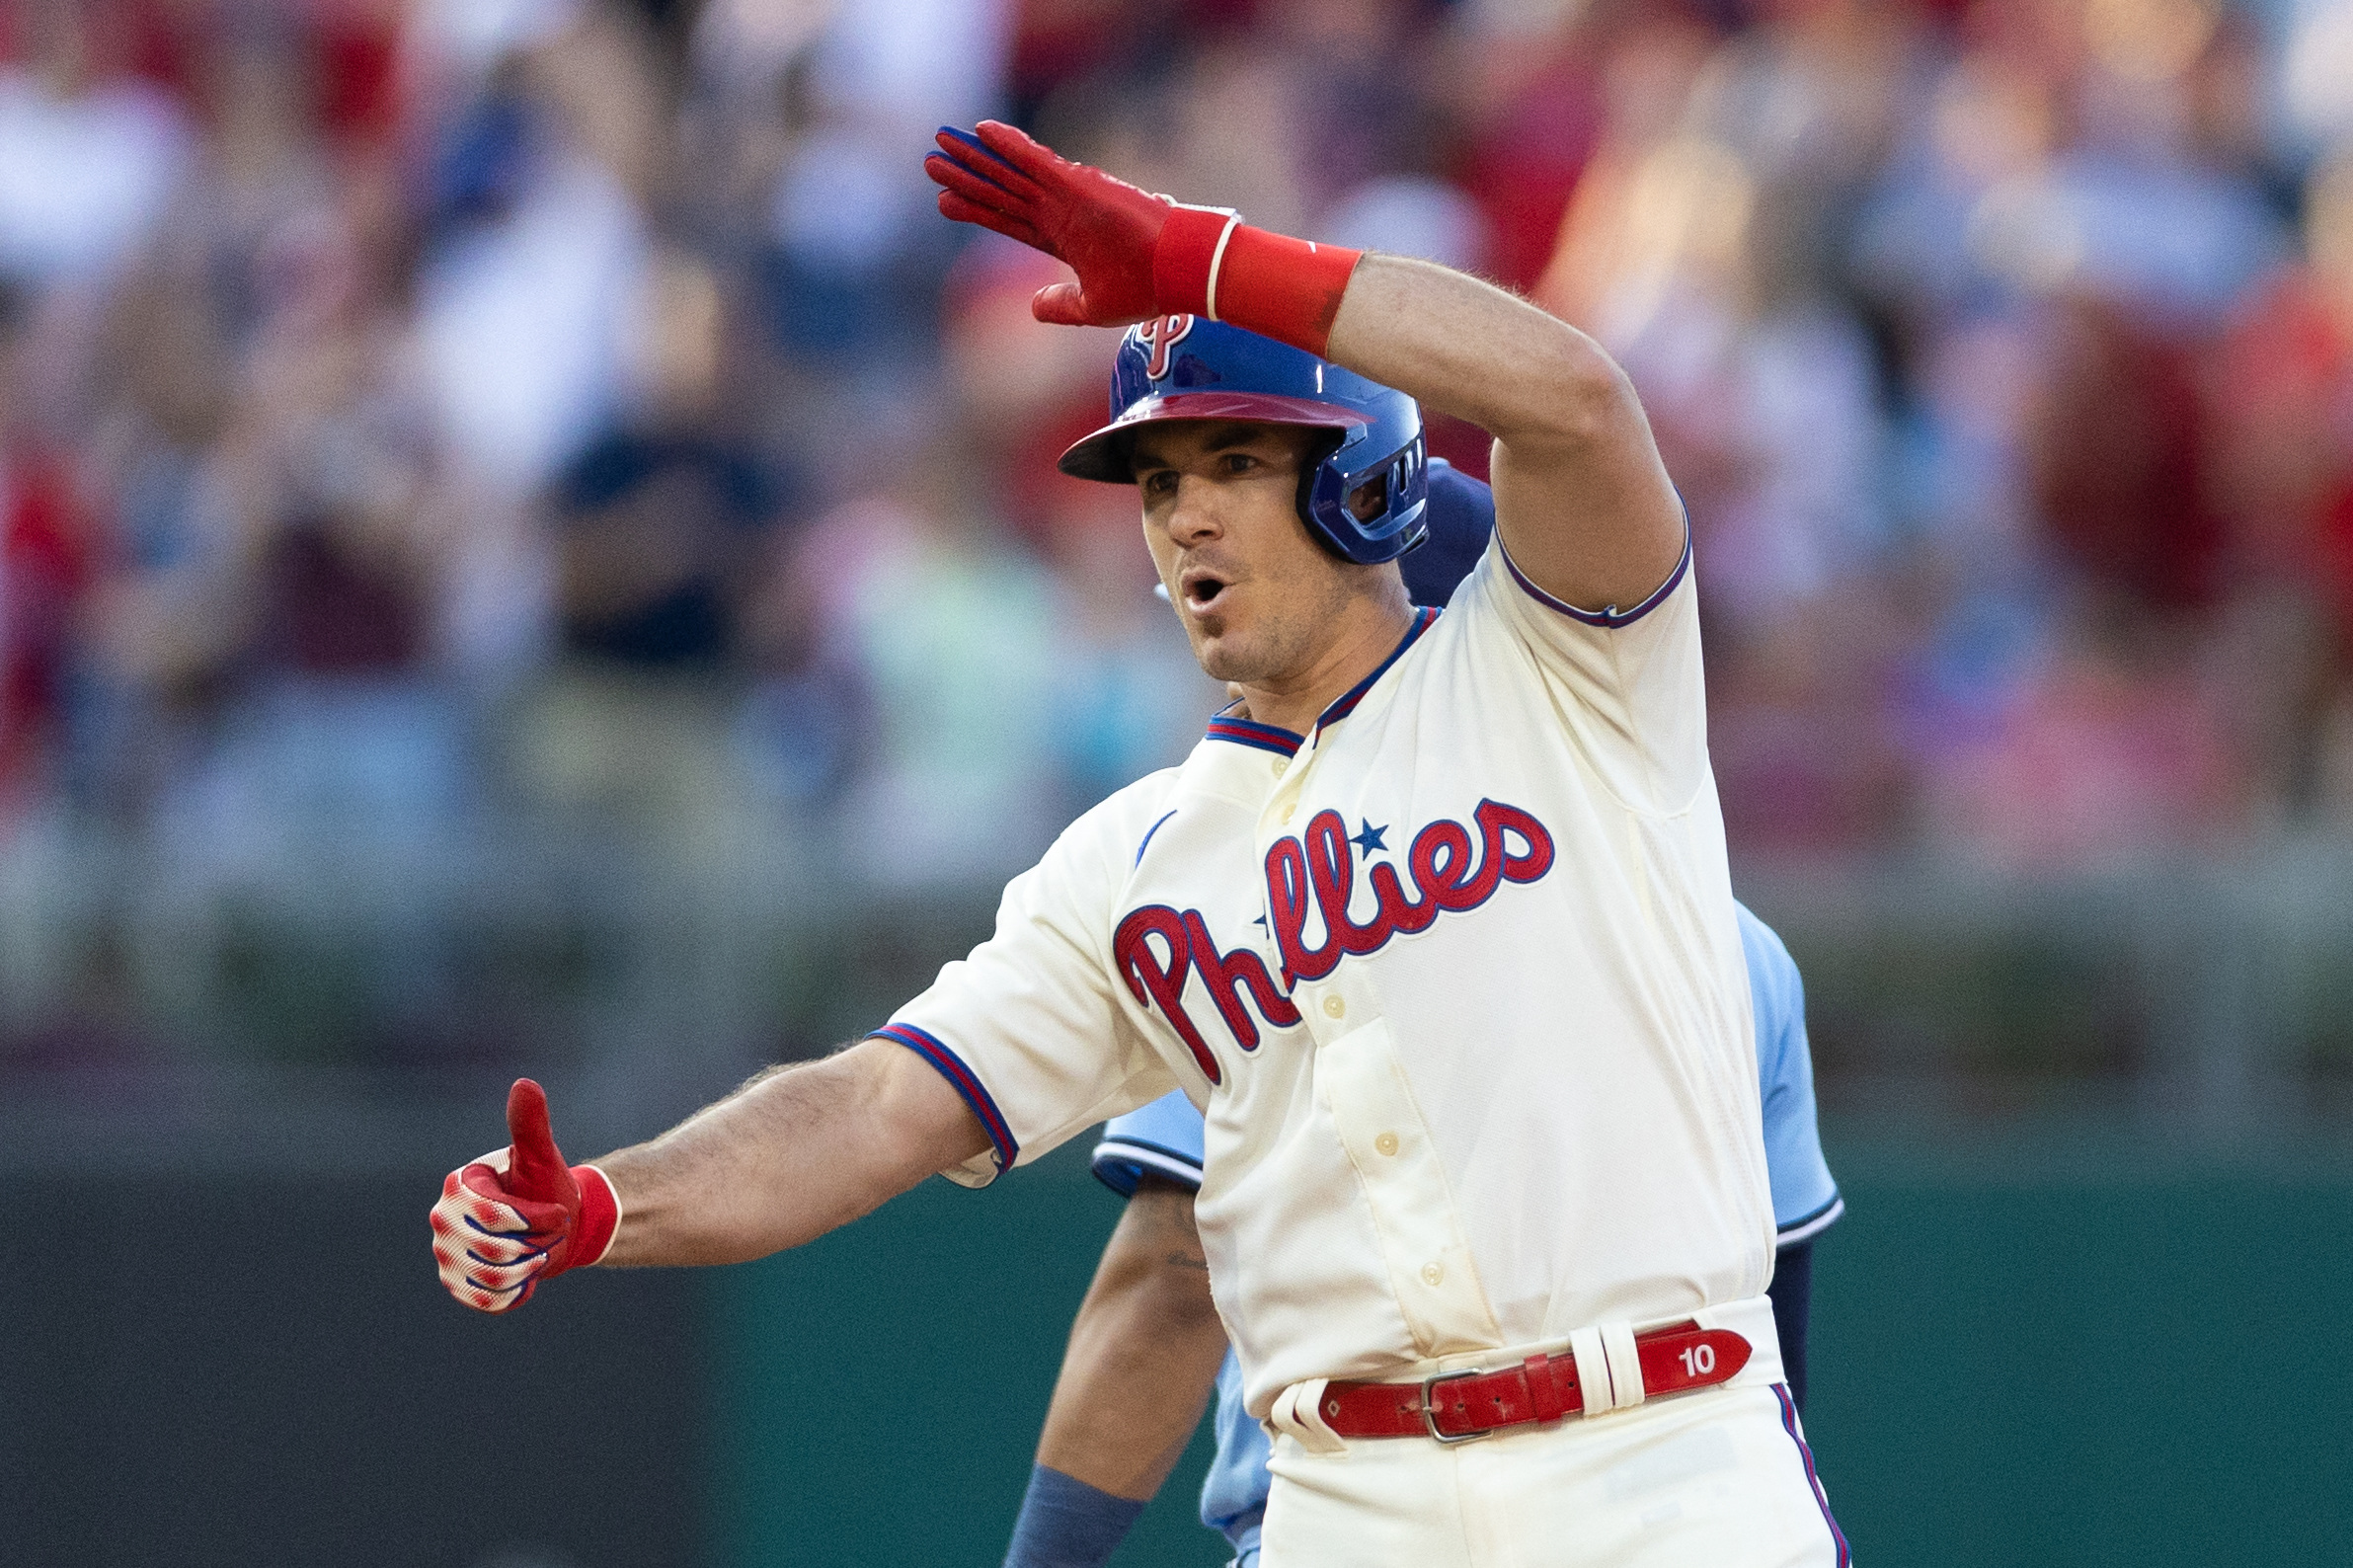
(1103, 455)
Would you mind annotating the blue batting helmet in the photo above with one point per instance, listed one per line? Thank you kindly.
(1364, 498)
(1462, 519)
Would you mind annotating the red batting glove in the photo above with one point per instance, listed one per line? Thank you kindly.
(1137, 255)
(1104, 229)
(519, 1215)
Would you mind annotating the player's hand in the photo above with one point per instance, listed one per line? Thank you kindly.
(1105, 230)
(519, 1215)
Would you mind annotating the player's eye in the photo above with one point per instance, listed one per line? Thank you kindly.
(1160, 482)
(1239, 462)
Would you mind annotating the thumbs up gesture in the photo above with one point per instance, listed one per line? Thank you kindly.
(519, 1215)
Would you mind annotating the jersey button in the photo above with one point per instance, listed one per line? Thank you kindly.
(1288, 810)
(1280, 764)
(1333, 1005)
(1431, 1273)
(1386, 1142)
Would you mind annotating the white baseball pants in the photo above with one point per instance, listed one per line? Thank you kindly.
(1714, 1479)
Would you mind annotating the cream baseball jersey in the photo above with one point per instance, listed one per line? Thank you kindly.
(1455, 977)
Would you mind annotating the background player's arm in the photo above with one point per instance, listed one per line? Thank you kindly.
(792, 1155)
(1582, 499)
(1143, 1352)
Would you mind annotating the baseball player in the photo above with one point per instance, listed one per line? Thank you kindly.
(1435, 925)
(1124, 1407)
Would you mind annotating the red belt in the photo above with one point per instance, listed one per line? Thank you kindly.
(1454, 1407)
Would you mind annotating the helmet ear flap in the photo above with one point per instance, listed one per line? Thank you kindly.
(1320, 452)
(1329, 494)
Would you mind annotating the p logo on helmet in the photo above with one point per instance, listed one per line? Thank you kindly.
(1158, 336)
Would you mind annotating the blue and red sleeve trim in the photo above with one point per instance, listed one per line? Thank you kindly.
(1346, 703)
(1612, 617)
(1249, 732)
(967, 1083)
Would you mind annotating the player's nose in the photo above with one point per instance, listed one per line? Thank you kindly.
(1199, 511)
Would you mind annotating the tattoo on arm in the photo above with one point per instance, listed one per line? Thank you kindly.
(1166, 1209)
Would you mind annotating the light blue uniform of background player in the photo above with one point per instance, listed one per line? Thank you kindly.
(1165, 1139)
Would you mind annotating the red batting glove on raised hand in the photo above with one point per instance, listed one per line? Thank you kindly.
(519, 1215)
(1104, 229)
(1137, 255)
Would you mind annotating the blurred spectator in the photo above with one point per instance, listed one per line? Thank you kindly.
(2116, 749)
(857, 246)
(163, 623)
(526, 304)
(47, 543)
(2280, 471)
(659, 519)
(658, 536)
(89, 155)
(2117, 452)
(336, 561)
(954, 634)
(2314, 81)
(1532, 103)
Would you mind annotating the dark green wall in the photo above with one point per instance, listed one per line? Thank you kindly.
(2012, 1364)
(2089, 1371)
(203, 1371)
(943, 1317)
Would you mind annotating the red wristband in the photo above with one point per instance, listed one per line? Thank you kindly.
(1186, 255)
(1206, 263)
(599, 1217)
(1284, 289)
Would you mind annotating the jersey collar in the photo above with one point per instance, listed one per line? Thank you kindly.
(1346, 704)
(1287, 743)
(1249, 732)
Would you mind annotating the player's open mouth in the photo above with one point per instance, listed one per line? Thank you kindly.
(1201, 589)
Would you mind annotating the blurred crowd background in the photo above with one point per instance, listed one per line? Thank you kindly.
(509, 505)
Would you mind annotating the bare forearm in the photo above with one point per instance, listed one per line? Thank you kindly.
(1144, 1353)
(789, 1157)
(1583, 501)
(1470, 350)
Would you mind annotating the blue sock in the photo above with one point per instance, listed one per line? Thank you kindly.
(1066, 1524)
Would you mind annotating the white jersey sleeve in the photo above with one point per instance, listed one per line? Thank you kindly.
(1627, 683)
(1027, 1027)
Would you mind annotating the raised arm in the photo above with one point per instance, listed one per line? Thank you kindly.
(1582, 500)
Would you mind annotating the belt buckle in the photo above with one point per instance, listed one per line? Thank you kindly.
(1430, 1410)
